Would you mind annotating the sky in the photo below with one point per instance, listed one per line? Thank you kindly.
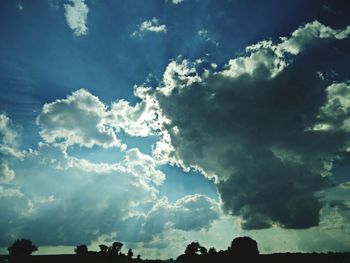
(161, 122)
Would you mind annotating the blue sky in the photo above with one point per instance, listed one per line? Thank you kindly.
(161, 122)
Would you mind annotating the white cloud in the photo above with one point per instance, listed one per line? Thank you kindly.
(335, 114)
(179, 75)
(79, 119)
(192, 212)
(205, 35)
(310, 35)
(142, 165)
(84, 120)
(8, 142)
(272, 56)
(9, 149)
(19, 7)
(175, 2)
(76, 13)
(6, 174)
(139, 120)
(151, 25)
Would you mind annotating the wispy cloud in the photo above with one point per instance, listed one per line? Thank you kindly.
(175, 2)
(19, 7)
(204, 34)
(76, 12)
(151, 25)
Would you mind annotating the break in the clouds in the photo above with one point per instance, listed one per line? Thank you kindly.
(76, 13)
(151, 25)
(250, 126)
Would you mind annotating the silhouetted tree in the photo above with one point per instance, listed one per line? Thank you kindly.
(116, 247)
(203, 250)
(244, 246)
(22, 247)
(212, 251)
(81, 250)
(130, 253)
(192, 249)
(103, 248)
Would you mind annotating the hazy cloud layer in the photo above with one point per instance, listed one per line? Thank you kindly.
(252, 125)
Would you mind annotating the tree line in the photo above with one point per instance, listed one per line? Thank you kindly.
(193, 252)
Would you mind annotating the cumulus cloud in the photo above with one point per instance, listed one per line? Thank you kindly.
(335, 114)
(272, 57)
(192, 212)
(76, 13)
(9, 138)
(151, 25)
(142, 165)
(9, 148)
(6, 173)
(119, 204)
(248, 126)
(82, 119)
(78, 119)
(118, 201)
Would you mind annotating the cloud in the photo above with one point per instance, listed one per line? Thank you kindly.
(9, 149)
(19, 7)
(248, 126)
(6, 174)
(272, 57)
(92, 201)
(192, 212)
(335, 114)
(204, 35)
(8, 138)
(78, 119)
(175, 2)
(140, 120)
(151, 25)
(142, 165)
(82, 119)
(76, 13)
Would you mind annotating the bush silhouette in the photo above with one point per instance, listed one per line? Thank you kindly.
(81, 250)
(115, 248)
(130, 253)
(22, 247)
(103, 248)
(244, 246)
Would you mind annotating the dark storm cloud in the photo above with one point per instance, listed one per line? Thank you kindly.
(253, 126)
